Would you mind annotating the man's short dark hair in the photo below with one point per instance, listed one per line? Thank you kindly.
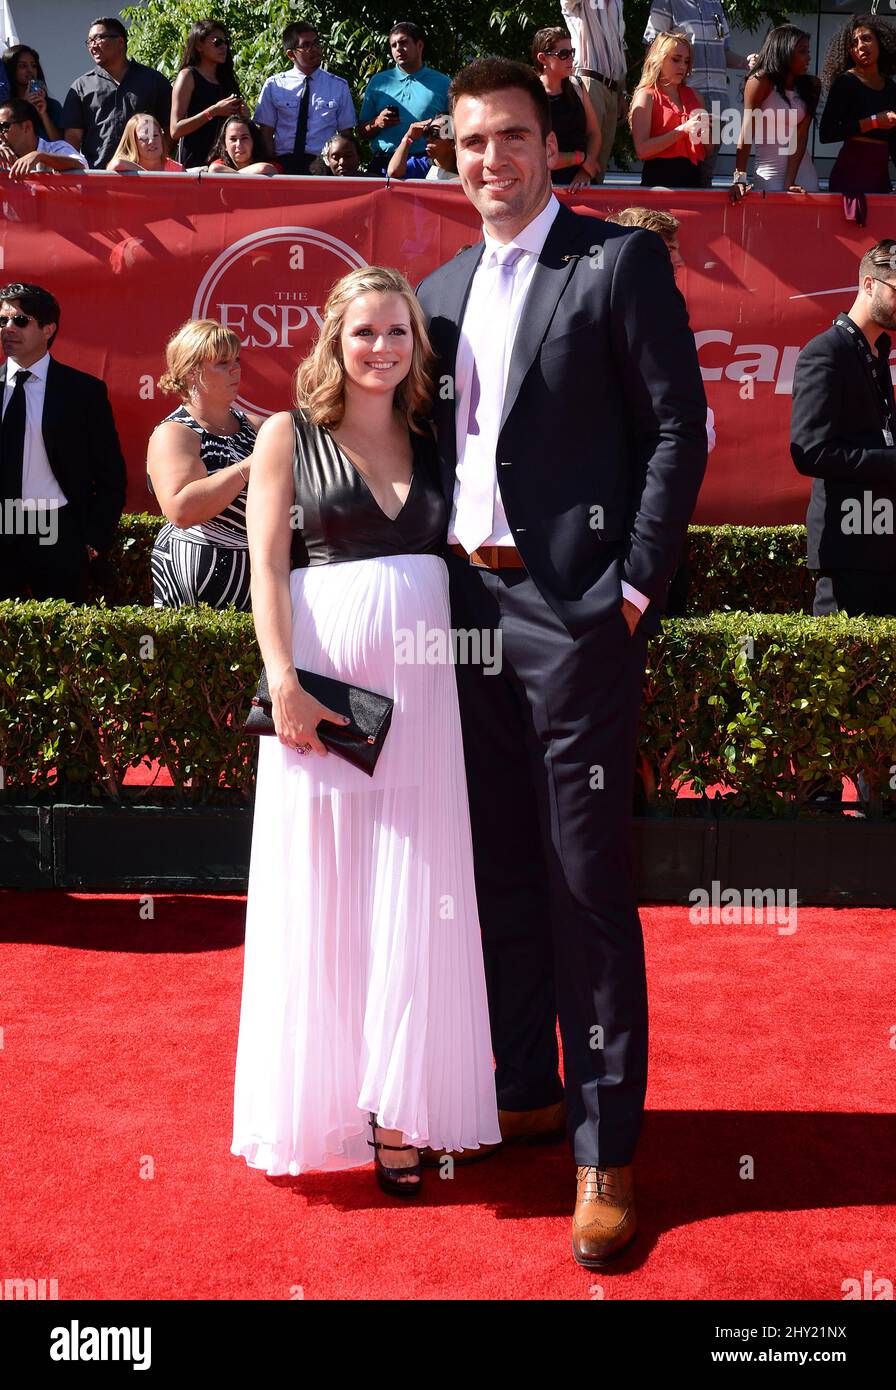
(880, 256)
(486, 75)
(33, 300)
(21, 111)
(293, 32)
(114, 26)
(407, 26)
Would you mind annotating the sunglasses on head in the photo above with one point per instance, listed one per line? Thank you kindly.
(20, 320)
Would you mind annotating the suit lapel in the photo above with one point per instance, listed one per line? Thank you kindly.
(445, 329)
(548, 283)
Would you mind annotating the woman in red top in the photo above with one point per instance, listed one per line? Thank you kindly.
(668, 119)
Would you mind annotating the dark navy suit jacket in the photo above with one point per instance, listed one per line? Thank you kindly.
(602, 446)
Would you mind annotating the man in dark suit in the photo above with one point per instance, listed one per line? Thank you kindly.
(841, 435)
(62, 475)
(571, 427)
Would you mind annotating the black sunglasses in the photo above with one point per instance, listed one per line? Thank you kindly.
(562, 53)
(20, 320)
(5, 125)
(220, 43)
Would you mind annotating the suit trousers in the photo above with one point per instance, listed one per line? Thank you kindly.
(859, 592)
(30, 569)
(550, 743)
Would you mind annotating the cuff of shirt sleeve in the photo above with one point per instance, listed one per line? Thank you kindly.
(639, 600)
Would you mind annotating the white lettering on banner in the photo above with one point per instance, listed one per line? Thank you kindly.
(759, 361)
(260, 287)
(278, 321)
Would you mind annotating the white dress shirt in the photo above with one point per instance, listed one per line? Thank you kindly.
(58, 147)
(39, 485)
(477, 338)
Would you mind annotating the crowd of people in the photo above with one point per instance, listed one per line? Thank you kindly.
(305, 120)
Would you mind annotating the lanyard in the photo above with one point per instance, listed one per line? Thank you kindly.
(872, 367)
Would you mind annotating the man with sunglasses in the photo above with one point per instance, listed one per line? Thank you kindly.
(99, 104)
(23, 152)
(300, 110)
(59, 458)
(842, 437)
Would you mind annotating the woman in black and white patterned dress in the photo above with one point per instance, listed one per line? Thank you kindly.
(198, 465)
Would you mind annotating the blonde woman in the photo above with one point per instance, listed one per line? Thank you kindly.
(364, 1027)
(668, 119)
(198, 465)
(143, 148)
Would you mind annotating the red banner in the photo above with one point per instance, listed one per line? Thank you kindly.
(130, 258)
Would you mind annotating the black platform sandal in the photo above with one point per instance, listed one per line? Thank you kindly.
(389, 1179)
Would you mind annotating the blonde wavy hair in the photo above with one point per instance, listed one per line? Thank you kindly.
(319, 383)
(128, 147)
(197, 341)
(654, 58)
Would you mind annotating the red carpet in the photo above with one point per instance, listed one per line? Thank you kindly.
(117, 1061)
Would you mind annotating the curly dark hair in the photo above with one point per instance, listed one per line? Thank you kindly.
(839, 59)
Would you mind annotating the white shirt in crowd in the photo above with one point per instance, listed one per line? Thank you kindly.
(477, 339)
(39, 483)
(597, 30)
(59, 147)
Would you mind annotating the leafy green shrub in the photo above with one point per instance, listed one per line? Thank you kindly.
(759, 568)
(765, 704)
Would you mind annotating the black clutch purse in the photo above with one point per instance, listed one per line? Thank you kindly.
(360, 742)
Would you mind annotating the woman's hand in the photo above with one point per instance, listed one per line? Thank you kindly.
(227, 106)
(38, 100)
(296, 715)
(580, 179)
(695, 126)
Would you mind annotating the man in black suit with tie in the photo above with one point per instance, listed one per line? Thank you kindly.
(841, 435)
(62, 475)
(571, 424)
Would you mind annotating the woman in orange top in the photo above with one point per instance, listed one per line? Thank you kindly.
(669, 122)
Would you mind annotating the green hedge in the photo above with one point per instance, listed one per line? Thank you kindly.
(755, 568)
(765, 704)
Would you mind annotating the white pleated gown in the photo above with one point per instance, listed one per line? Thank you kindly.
(364, 987)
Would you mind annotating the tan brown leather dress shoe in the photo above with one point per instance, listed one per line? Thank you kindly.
(604, 1221)
(533, 1126)
(542, 1126)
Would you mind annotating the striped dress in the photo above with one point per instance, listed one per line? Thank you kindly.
(208, 562)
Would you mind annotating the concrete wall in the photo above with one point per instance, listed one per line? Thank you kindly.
(57, 29)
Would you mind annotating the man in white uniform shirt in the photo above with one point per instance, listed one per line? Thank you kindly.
(571, 447)
(300, 110)
(62, 475)
(597, 30)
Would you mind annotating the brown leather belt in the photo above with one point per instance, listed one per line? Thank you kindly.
(492, 557)
(607, 81)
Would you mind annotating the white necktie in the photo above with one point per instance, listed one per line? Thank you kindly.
(476, 497)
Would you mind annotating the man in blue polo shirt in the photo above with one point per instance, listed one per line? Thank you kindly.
(300, 110)
(411, 89)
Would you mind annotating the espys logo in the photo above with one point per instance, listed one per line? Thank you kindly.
(270, 288)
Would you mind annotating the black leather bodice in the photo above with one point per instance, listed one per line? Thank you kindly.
(340, 518)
